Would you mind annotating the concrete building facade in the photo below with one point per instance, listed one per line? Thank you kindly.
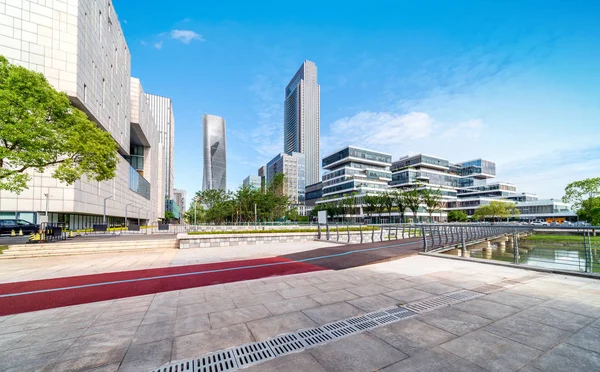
(252, 182)
(80, 48)
(215, 153)
(293, 168)
(180, 198)
(302, 119)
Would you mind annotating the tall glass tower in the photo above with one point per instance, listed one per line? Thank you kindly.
(302, 119)
(215, 154)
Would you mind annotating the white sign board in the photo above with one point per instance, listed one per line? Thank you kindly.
(322, 217)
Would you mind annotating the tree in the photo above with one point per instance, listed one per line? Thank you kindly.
(496, 210)
(457, 216)
(432, 200)
(400, 203)
(589, 211)
(370, 203)
(39, 129)
(387, 199)
(169, 216)
(412, 198)
(583, 195)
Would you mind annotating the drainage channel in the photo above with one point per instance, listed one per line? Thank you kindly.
(257, 352)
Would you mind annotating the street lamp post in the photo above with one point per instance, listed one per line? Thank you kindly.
(126, 219)
(104, 215)
(195, 202)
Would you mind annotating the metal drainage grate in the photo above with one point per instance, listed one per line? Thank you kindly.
(377, 314)
(253, 353)
(221, 361)
(400, 312)
(430, 304)
(486, 288)
(285, 344)
(362, 322)
(185, 366)
(462, 295)
(339, 329)
(386, 319)
(314, 336)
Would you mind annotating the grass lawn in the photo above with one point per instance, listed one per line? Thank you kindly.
(560, 238)
(277, 231)
(3, 247)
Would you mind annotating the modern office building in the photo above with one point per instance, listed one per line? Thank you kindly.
(180, 198)
(162, 110)
(293, 168)
(215, 153)
(353, 172)
(262, 173)
(313, 194)
(252, 182)
(302, 119)
(79, 47)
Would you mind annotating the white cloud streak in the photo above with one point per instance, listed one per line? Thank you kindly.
(186, 36)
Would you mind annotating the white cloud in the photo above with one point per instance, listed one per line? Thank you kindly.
(377, 130)
(186, 36)
(469, 128)
(158, 45)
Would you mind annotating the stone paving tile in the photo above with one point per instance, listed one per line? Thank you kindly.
(411, 336)
(110, 327)
(271, 287)
(537, 335)
(574, 307)
(10, 340)
(408, 295)
(433, 360)
(567, 357)
(372, 303)
(333, 312)
(29, 356)
(513, 299)
(454, 320)
(191, 324)
(333, 297)
(49, 334)
(398, 284)
(529, 292)
(108, 318)
(436, 288)
(98, 342)
(361, 352)
(160, 315)
(297, 362)
(221, 294)
(302, 282)
(35, 361)
(299, 291)
(107, 368)
(256, 299)
(236, 316)
(88, 360)
(288, 306)
(588, 338)
(368, 290)
(191, 298)
(556, 318)
(265, 328)
(335, 285)
(491, 352)
(147, 356)
(197, 344)
(204, 308)
(154, 332)
(423, 279)
(486, 309)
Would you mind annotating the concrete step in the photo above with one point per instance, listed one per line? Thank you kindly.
(9, 256)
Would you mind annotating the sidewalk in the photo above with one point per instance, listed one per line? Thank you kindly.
(550, 323)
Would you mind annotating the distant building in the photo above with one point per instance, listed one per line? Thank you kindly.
(302, 118)
(293, 169)
(252, 182)
(180, 199)
(262, 173)
(215, 153)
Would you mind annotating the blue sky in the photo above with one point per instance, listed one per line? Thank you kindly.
(515, 82)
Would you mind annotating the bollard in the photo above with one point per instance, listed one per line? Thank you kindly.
(348, 229)
(12, 233)
(464, 245)
(361, 237)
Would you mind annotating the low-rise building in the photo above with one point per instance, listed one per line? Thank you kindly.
(252, 182)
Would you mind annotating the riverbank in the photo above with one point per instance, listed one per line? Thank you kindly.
(559, 239)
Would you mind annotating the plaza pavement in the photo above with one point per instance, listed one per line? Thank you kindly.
(551, 323)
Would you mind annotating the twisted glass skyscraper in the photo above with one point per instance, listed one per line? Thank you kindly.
(215, 154)
(302, 119)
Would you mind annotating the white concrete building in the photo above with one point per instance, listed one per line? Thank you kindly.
(162, 110)
(79, 46)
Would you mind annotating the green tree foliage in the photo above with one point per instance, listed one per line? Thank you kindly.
(585, 198)
(496, 210)
(219, 206)
(412, 198)
(432, 200)
(387, 199)
(400, 203)
(457, 216)
(370, 204)
(39, 128)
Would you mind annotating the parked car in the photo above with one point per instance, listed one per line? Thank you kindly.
(566, 224)
(6, 226)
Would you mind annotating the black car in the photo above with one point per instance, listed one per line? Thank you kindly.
(6, 226)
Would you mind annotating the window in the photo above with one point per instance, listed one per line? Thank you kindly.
(84, 93)
(103, 90)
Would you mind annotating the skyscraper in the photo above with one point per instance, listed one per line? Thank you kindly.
(302, 119)
(215, 154)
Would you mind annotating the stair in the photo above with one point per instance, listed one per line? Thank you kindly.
(74, 248)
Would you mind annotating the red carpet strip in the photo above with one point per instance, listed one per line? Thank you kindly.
(50, 293)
